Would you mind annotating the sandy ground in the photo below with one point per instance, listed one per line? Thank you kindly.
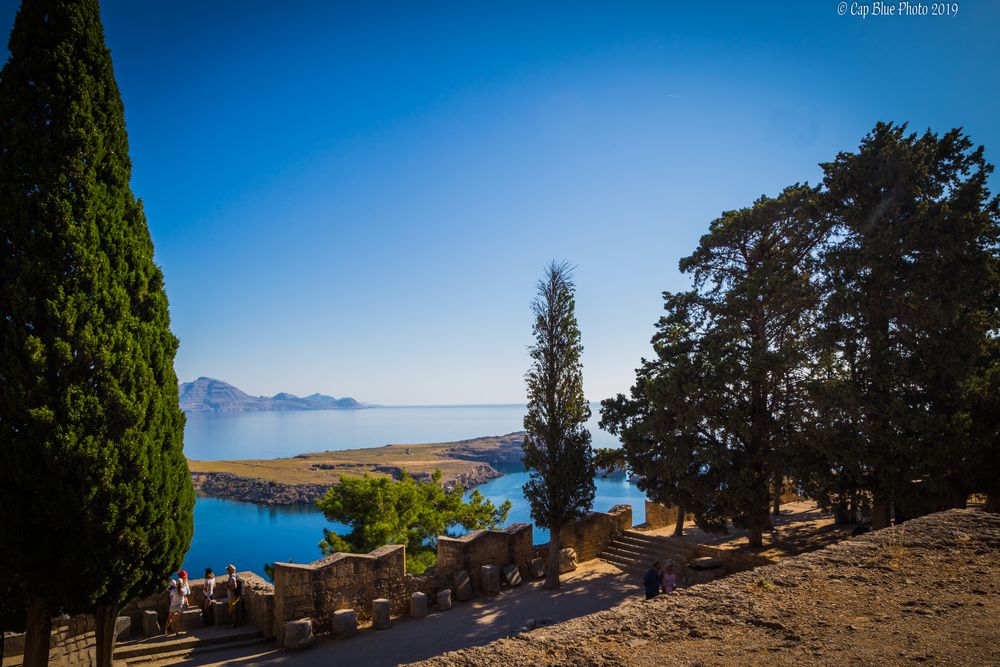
(926, 592)
(594, 586)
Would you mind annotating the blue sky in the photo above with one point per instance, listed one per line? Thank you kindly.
(357, 198)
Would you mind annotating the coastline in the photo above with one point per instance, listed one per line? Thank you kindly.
(304, 478)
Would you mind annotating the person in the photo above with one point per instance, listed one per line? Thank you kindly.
(234, 593)
(652, 581)
(206, 605)
(178, 603)
(668, 578)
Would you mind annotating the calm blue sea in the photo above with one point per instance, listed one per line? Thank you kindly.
(250, 535)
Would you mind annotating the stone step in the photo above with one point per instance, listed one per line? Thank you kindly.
(200, 638)
(171, 657)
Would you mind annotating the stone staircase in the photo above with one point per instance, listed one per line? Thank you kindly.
(162, 649)
(633, 552)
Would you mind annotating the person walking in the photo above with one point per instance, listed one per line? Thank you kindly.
(234, 595)
(178, 603)
(651, 581)
(206, 605)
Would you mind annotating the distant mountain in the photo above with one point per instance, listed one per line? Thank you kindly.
(210, 395)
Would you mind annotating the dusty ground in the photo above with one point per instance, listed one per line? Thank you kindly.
(926, 592)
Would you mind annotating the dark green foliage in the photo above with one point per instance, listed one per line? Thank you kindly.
(382, 511)
(557, 450)
(910, 295)
(95, 487)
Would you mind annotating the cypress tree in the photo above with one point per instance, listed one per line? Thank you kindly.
(94, 484)
(557, 449)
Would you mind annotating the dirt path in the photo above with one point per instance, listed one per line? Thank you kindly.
(928, 592)
(594, 586)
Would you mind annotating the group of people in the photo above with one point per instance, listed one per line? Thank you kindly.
(180, 590)
(660, 579)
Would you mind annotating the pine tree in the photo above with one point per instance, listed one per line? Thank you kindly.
(912, 269)
(754, 298)
(557, 449)
(94, 485)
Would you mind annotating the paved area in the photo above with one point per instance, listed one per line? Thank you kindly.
(593, 587)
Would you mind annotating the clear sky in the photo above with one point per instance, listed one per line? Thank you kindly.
(357, 198)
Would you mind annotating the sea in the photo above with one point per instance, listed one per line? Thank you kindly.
(249, 535)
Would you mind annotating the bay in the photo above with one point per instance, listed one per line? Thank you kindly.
(249, 535)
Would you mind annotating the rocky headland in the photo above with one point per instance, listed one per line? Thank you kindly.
(210, 395)
(306, 477)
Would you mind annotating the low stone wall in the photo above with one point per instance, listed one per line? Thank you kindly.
(512, 544)
(659, 515)
(591, 534)
(72, 642)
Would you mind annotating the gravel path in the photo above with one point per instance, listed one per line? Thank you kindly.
(928, 591)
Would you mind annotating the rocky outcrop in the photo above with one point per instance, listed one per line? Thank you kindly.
(267, 492)
(211, 395)
(252, 490)
(502, 450)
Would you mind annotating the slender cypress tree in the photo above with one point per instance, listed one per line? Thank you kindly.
(95, 487)
(557, 449)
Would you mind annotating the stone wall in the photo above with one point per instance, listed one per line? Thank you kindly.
(512, 544)
(339, 581)
(72, 642)
(591, 534)
(659, 515)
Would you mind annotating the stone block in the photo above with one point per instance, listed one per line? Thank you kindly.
(418, 605)
(705, 563)
(150, 623)
(490, 575)
(345, 623)
(462, 585)
(122, 626)
(190, 619)
(567, 560)
(219, 612)
(381, 613)
(298, 634)
(537, 568)
(444, 599)
(512, 575)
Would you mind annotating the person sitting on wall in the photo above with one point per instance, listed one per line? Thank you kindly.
(651, 581)
(234, 595)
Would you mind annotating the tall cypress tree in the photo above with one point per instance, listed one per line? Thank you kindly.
(557, 449)
(94, 485)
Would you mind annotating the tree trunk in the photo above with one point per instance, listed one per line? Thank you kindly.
(552, 571)
(38, 631)
(756, 537)
(776, 508)
(992, 502)
(679, 526)
(105, 617)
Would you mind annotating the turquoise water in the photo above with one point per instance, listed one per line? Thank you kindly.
(250, 535)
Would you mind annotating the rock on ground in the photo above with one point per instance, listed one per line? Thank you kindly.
(925, 592)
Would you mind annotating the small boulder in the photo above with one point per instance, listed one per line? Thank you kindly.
(345, 623)
(512, 575)
(299, 634)
(462, 586)
(219, 611)
(122, 626)
(418, 605)
(191, 618)
(705, 563)
(490, 575)
(150, 623)
(537, 568)
(444, 599)
(567, 560)
(381, 613)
